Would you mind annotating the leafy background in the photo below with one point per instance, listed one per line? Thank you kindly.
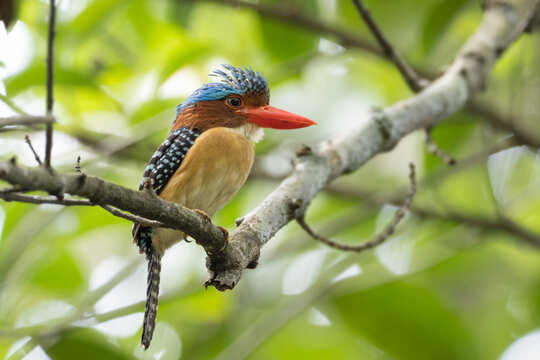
(451, 284)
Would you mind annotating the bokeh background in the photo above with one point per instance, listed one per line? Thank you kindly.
(459, 280)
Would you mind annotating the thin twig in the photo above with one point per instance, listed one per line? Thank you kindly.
(11, 194)
(415, 82)
(498, 224)
(377, 240)
(520, 135)
(433, 149)
(133, 218)
(78, 165)
(36, 199)
(50, 81)
(25, 120)
(20, 128)
(10, 190)
(36, 156)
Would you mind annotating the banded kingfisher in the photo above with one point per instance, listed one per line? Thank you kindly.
(206, 159)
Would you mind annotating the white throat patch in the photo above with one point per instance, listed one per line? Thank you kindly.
(251, 131)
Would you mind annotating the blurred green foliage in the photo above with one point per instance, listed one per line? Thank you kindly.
(72, 282)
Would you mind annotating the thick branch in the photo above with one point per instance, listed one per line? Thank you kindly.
(104, 193)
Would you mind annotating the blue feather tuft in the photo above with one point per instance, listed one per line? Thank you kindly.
(233, 81)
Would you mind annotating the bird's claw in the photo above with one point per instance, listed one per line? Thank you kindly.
(203, 214)
(186, 239)
(227, 237)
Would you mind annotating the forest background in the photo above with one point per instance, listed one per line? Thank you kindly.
(459, 279)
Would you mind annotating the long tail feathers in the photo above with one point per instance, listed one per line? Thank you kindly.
(152, 292)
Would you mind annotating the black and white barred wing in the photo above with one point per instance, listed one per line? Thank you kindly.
(163, 164)
(168, 158)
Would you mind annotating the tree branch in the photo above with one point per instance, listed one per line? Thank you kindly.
(500, 223)
(36, 156)
(11, 194)
(488, 112)
(50, 82)
(133, 218)
(38, 200)
(433, 149)
(25, 120)
(100, 192)
(483, 222)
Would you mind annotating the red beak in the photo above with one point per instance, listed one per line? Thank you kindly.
(271, 117)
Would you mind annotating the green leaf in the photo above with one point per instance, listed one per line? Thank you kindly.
(35, 76)
(285, 41)
(94, 16)
(152, 108)
(437, 20)
(59, 273)
(191, 53)
(407, 322)
(85, 344)
(180, 12)
(11, 104)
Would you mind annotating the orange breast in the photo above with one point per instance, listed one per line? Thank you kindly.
(215, 168)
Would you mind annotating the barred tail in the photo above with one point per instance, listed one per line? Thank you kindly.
(152, 292)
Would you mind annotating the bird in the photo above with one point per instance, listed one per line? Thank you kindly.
(205, 160)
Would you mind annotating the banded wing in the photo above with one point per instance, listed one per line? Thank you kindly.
(163, 164)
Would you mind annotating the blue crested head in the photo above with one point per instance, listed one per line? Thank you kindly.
(235, 81)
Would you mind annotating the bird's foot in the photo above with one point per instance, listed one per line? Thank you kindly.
(186, 239)
(227, 237)
(203, 214)
(147, 186)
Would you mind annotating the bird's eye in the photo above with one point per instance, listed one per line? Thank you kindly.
(234, 102)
